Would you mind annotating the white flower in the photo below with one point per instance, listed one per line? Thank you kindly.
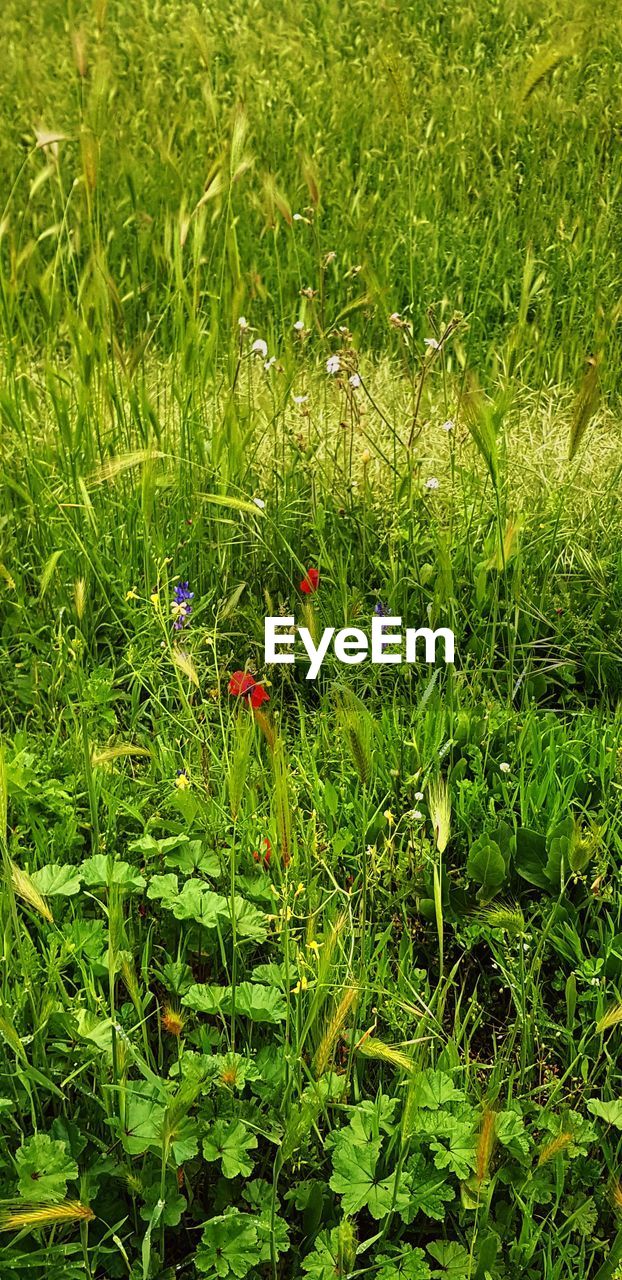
(504, 767)
(432, 483)
(418, 795)
(395, 319)
(299, 326)
(244, 325)
(333, 364)
(269, 363)
(449, 425)
(259, 502)
(417, 815)
(432, 343)
(300, 399)
(355, 381)
(260, 348)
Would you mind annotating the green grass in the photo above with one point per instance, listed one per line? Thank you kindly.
(331, 988)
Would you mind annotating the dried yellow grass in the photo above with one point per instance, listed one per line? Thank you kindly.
(554, 1147)
(26, 890)
(24, 1216)
(331, 1035)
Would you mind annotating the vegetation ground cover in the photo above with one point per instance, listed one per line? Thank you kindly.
(310, 311)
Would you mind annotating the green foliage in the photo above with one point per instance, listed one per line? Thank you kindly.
(327, 985)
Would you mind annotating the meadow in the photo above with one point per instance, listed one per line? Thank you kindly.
(310, 310)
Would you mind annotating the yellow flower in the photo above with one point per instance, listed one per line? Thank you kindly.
(133, 594)
(155, 600)
(182, 781)
(300, 986)
(388, 816)
(313, 946)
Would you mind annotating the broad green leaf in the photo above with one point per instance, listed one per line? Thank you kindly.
(429, 1190)
(103, 869)
(455, 1262)
(230, 1143)
(44, 1168)
(55, 879)
(409, 1264)
(434, 1088)
(229, 1247)
(610, 1112)
(261, 1004)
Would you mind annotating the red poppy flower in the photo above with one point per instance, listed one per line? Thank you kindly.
(310, 582)
(243, 685)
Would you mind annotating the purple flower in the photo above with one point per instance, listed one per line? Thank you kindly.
(381, 610)
(181, 607)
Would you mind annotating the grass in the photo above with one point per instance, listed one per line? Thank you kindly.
(330, 986)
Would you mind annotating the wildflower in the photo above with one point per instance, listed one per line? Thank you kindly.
(313, 946)
(366, 457)
(300, 399)
(300, 986)
(243, 685)
(418, 795)
(243, 324)
(173, 1021)
(504, 766)
(308, 293)
(432, 344)
(260, 348)
(182, 781)
(432, 483)
(355, 381)
(181, 607)
(396, 321)
(333, 364)
(266, 856)
(381, 610)
(417, 815)
(449, 425)
(299, 326)
(131, 595)
(259, 502)
(155, 599)
(269, 363)
(310, 582)
(330, 257)
(389, 818)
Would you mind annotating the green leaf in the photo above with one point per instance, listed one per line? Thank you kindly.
(325, 1261)
(44, 1169)
(486, 865)
(354, 1178)
(610, 1112)
(252, 1000)
(429, 1191)
(143, 1122)
(459, 1154)
(163, 888)
(103, 869)
(434, 1088)
(230, 1143)
(409, 1265)
(57, 880)
(454, 1260)
(229, 1247)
